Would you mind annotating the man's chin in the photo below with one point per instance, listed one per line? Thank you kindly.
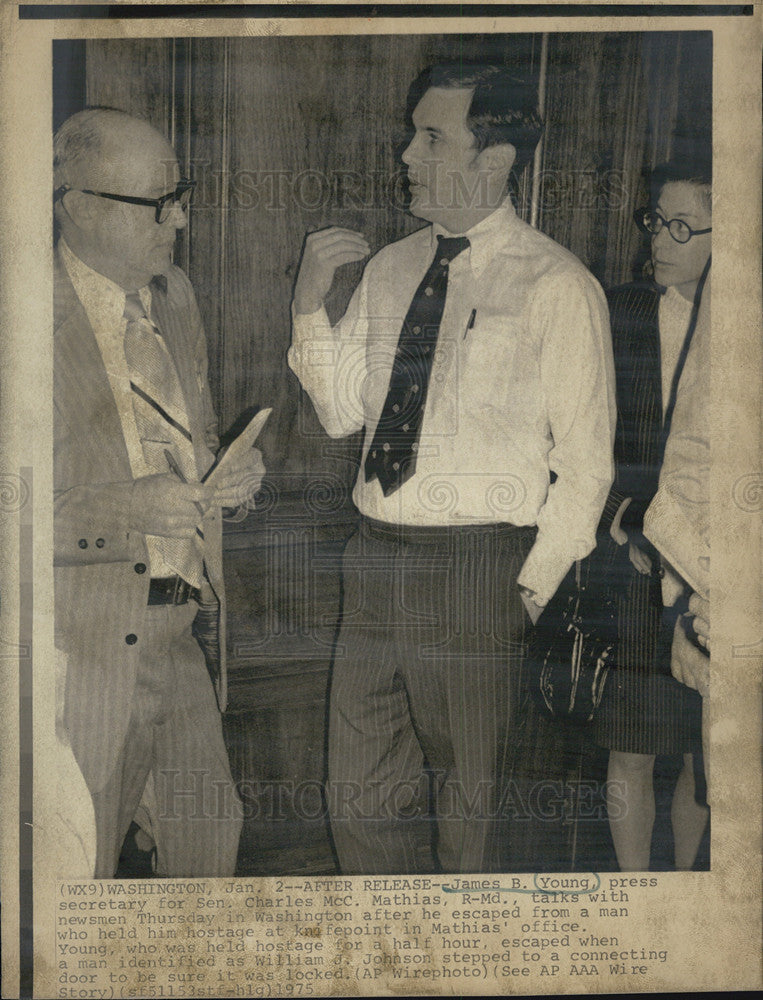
(418, 208)
(163, 262)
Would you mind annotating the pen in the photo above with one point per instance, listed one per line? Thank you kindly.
(176, 470)
(470, 324)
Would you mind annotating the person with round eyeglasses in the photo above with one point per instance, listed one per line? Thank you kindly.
(679, 229)
(646, 715)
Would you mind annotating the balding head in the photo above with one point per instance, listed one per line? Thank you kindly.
(101, 145)
(109, 151)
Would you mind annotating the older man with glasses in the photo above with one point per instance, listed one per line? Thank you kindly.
(138, 555)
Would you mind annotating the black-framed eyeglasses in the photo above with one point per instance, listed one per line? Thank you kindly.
(163, 205)
(651, 223)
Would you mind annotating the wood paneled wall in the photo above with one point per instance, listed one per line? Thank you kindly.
(594, 149)
(285, 135)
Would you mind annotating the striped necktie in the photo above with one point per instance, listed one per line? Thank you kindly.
(162, 421)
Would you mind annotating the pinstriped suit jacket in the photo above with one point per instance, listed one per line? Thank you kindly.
(633, 313)
(101, 585)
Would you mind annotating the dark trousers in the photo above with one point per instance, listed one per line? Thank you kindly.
(425, 677)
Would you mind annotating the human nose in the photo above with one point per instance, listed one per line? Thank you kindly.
(408, 154)
(178, 216)
(661, 238)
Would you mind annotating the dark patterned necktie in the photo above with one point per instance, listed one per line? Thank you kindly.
(162, 420)
(392, 455)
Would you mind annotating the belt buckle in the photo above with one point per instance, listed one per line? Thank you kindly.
(171, 590)
(181, 591)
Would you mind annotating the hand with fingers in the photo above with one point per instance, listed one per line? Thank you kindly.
(241, 481)
(700, 608)
(639, 559)
(324, 251)
(163, 505)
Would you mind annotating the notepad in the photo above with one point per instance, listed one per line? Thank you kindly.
(238, 447)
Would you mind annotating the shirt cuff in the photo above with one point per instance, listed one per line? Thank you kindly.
(545, 568)
(307, 330)
(298, 319)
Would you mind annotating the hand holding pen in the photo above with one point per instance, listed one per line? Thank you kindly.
(163, 504)
(176, 470)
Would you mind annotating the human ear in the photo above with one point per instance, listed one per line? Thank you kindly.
(79, 207)
(498, 158)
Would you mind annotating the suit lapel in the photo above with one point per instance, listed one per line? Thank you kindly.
(174, 324)
(641, 316)
(84, 400)
(653, 351)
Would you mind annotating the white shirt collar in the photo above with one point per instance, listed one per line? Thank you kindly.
(100, 296)
(485, 237)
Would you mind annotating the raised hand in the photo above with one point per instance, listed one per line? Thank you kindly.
(241, 481)
(323, 253)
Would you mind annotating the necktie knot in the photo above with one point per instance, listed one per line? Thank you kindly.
(449, 247)
(134, 309)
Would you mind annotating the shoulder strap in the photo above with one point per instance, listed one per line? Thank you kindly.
(682, 360)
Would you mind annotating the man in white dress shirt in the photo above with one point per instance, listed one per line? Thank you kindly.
(476, 354)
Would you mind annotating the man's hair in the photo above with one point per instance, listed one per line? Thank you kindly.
(503, 109)
(81, 139)
(697, 171)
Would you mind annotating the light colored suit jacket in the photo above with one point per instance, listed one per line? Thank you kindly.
(677, 522)
(101, 570)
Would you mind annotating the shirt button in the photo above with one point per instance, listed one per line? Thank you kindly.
(406, 427)
(140, 568)
(414, 388)
(82, 543)
(429, 291)
(414, 447)
(385, 446)
(417, 330)
(396, 408)
(395, 466)
(99, 543)
(131, 639)
(444, 261)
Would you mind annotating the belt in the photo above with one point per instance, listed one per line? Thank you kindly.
(171, 590)
(436, 534)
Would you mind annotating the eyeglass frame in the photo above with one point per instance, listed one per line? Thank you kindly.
(640, 213)
(184, 185)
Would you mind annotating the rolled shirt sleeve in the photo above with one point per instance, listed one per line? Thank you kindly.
(330, 362)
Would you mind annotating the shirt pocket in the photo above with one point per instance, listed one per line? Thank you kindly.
(488, 362)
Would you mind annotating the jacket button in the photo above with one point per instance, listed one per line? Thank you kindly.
(140, 568)
(82, 543)
(131, 639)
(99, 543)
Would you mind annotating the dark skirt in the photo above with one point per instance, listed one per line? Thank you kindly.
(644, 709)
